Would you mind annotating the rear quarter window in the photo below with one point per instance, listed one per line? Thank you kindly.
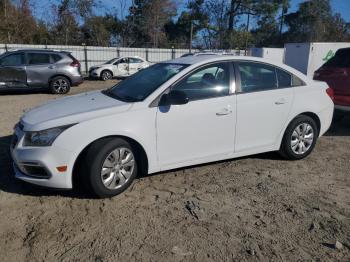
(55, 58)
(296, 81)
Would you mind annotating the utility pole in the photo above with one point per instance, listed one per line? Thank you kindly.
(246, 37)
(191, 36)
(284, 11)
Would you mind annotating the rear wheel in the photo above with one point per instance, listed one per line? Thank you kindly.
(60, 85)
(300, 138)
(106, 75)
(111, 166)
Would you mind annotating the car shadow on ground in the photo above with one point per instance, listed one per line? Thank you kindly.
(24, 92)
(340, 128)
(8, 183)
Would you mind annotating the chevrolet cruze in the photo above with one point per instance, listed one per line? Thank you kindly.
(182, 112)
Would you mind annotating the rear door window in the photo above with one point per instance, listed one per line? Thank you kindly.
(257, 77)
(38, 58)
(13, 60)
(284, 78)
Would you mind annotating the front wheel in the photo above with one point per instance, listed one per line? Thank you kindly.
(106, 75)
(111, 166)
(300, 138)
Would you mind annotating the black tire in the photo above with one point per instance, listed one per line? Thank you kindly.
(106, 75)
(60, 85)
(286, 148)
(94, 159)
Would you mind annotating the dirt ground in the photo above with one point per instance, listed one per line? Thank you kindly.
(257, 208)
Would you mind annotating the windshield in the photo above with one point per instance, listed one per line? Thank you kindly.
(143, 83)
(110, 61)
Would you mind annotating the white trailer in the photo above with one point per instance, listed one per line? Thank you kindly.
(308, 57)
(273, 54)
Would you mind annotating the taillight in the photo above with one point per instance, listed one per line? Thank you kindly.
(330, 93)
(75, 63)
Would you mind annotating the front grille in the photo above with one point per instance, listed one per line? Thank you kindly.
(14, 141)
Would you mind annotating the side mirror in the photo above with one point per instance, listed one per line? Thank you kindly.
(174, 97)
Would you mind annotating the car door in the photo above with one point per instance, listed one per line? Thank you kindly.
(135, 64)
(264, 100)
(121, 67)
(40, 68)
(13, 71)
(204, 127)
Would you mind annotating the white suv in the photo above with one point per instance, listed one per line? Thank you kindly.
(173, 114)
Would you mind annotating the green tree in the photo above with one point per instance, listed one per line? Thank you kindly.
(315, 22)
(148, 19)
(178, 32)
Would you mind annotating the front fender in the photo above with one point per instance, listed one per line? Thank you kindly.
(138, 125)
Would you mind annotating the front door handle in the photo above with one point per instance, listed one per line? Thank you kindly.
(51, 67)
(224, 111)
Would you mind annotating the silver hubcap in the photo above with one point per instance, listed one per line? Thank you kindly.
(302, 138)
(60, 85)
(117, 168)
(106, 75)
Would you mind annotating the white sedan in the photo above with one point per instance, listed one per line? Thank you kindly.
(118, 67)
(178, 113)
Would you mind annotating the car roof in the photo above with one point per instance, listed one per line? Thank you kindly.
(191, 60)
(37, 50)
(194, 61)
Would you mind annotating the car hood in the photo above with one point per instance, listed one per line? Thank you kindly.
(72, 109)
(99, 66)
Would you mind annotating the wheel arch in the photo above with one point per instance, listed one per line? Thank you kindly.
(314, 116)
(62, 75)
(143, 158)
(106, 69)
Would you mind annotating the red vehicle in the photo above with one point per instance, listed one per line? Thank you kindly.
(336, 72)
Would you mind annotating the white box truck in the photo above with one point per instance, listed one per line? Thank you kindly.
(273, 54)
(308, 57)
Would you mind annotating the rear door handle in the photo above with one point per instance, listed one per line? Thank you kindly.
(51, 67)
(224, 111)
(280, 101)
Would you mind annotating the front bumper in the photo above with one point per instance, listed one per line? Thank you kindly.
(43, 160)
(94, 73)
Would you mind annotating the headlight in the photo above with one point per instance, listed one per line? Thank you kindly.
(43, 137)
